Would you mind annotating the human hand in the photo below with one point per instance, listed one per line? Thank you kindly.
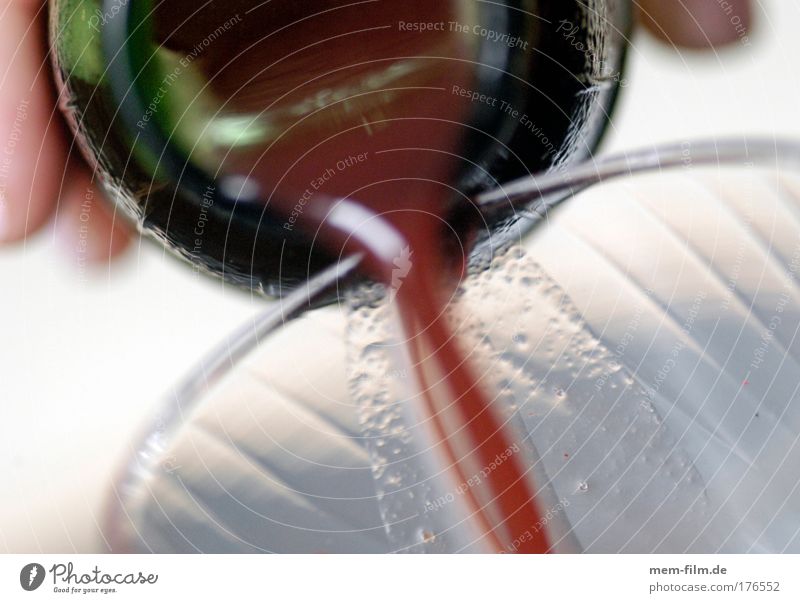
(41, 172)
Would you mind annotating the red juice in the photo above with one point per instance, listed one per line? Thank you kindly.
(397, 201)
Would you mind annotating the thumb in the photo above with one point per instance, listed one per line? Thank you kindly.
(697, 23)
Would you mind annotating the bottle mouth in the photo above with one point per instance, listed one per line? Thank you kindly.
(524, 68)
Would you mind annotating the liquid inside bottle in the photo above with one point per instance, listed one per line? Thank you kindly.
(198, 117)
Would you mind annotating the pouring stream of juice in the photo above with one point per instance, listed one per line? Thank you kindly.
(396, 208)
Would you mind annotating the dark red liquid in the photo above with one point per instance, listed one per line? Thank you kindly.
(397, 201)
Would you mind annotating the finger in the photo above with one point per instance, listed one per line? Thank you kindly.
(697, 23)
(87, 226)
(31, 139)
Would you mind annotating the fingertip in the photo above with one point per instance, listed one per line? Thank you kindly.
(32, 148)
(29, 195)
(88, 228)
(698, 24)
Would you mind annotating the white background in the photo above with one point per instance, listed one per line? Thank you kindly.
(85, 358)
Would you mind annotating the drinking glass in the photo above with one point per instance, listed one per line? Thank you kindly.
(640, 333)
